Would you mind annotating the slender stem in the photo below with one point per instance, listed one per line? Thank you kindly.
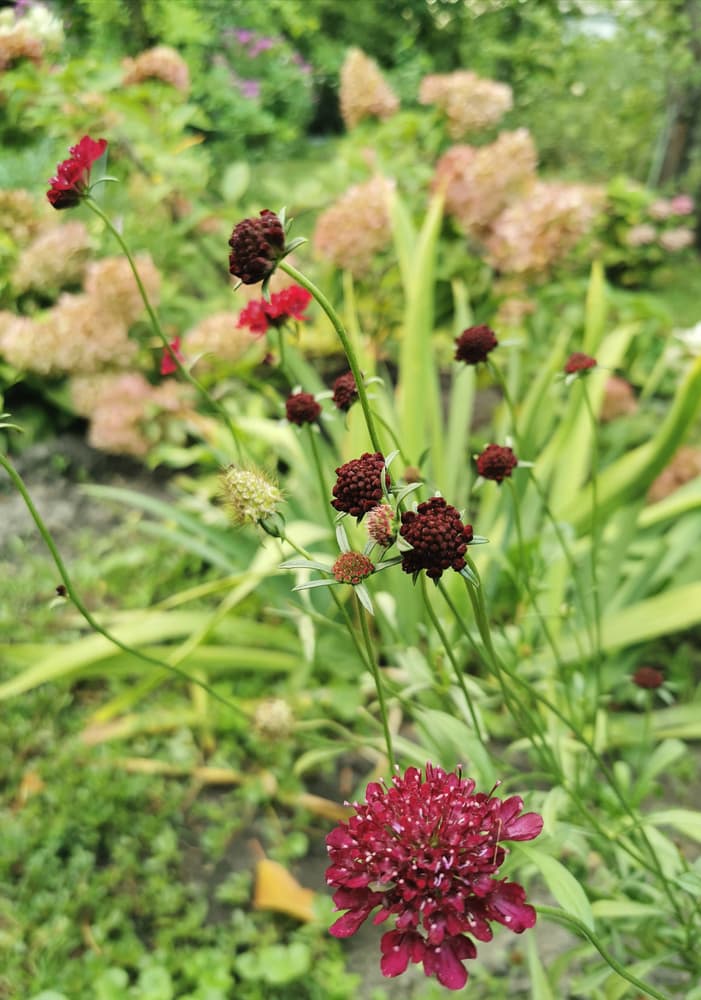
(375, 670)
(454, 663)
(345, 343)
(572, 923)
(158, 329)
(92, 622)
(320, 476)
(595, 537)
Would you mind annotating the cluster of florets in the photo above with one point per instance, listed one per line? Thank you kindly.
(381, 525)
(257, 245)
(474, 344)
(55, 259)
(217, 336)
(437, 536)
(352, 568)
(288, 304)
(249, 495)
(648, 678)
(468, 101)
(426, 851)
(364, 93)
(301, 408)
(72, 178)
(356, 227)
(577, 363)
(19, 215)
(160, 63)
(358, 487)
(496, 463)
(345, 391)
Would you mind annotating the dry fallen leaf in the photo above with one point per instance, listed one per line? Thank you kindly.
(277, 890)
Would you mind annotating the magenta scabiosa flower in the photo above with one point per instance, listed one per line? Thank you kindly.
(352, 568)
(381, 525)
(425, 850)
(73, 175)
(358, 487)
(257, 245)
(345, 391)
(301, 408)
(578, 363)
(496, 462)
(289, 304)
(437, 536)
(474, 344)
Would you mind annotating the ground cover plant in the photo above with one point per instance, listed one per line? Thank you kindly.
(417, 611)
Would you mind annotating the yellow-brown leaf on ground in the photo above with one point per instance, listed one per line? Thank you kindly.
(277, 890)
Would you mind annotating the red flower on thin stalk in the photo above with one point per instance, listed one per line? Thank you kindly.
(424, 850)
(73, 175)
(358, 488)
(496, 463)
(578, 363)
(261, 314)
(437, 537)
(170, 353)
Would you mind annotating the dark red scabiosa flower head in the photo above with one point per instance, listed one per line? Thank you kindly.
(260, 314)
(437, 536)
(73, 175)
(474, 344)
(352, 567)
(345, 391)
(496, 463)
(302, 408)
(425, 850)
(168, 359)
(256, 247)
(359, 485)
(578, 362)
(648, 677)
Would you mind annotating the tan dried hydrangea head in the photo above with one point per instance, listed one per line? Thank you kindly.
(160, 63)
(18, 212)
(17, 44)
(218, 338)
(468, 101)
(56, 258)
(76, 336)
(249, 495)
(356, 227)
(619, 399)
(364, 92)
(685, 466)
(127, 415)
(110, 282)
(479, 182)
(538, 229)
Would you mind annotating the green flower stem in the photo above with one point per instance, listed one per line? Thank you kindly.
(158, 330)
(92, 622)
(573, 924)
(375, 671)
(595, 538)
(281, 347)
(345, 343)
(454, 663)
(320, 476)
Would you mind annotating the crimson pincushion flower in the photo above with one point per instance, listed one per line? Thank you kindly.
(425, 850)
(496, 463)
(345, 391)
(257, 245)
(578, 362)
(358, 487)
(169, 356)
(260, 314)
(437, 536)
(474, 344)
(301, 408)
(648, 677)
(73, 175)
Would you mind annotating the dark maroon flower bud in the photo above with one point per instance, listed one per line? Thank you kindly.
(648, 677)
(345, 391)
(302, 408)
(438, 538)
(256, 247)
(474, 344)
(359, 485)
(579, 362)
(496, 462)
(352, 568)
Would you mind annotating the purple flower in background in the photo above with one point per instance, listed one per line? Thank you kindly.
(243, 36)
(303, 65)
(683, 204)
(261, 45)
(250, 89)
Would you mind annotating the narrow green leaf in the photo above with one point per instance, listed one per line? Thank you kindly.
(562, 884)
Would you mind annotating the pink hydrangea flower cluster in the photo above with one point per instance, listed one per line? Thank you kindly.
(468, 101)
(364, 92)
(356, 227)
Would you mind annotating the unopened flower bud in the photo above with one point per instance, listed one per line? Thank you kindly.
(352, 568)
(474, 344)
(248, 495)
(496, 463)
(381, 525)
(256, 247)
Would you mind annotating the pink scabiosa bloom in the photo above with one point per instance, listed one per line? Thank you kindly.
(381, 525)
(425, 850)
(345, 391)
(72, 178)
(301, 408)
(352, 568)
(289, 304)
(257, 245)
(170, 354)
(358, 487)
(496, 463)
(437, 537)
(578, 363)
(474, 344)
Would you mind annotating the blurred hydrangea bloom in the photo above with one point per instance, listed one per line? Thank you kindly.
(218, 337)
(160, 63)
(677, 239)
(364, 92)
(356, 227)
(110, 283)
(685, 466)
(20, 220)
(480, 182)
(619, 399)
(56, 258)
(536, 231)
(469, 102)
